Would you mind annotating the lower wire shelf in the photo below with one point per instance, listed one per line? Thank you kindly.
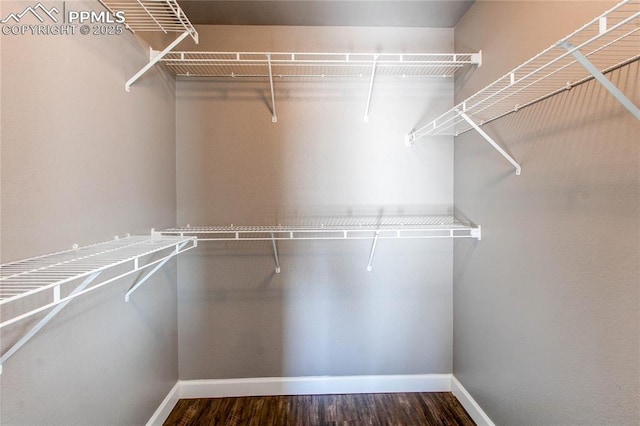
(411, 227)
(48, 283)
(415, 227)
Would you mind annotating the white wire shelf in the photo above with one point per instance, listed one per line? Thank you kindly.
(374, 229)
(282, 65)
(317, 65)
(608, 42)
(47, 274)
(152, 15)
(368, 229)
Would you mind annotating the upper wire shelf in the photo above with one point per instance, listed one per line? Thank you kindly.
(283, 65)
(152, 15)
(387, 228)
(608, 41)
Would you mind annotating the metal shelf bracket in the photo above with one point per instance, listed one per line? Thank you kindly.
(44, 321)
(604, 81)
(274, 117)
(372, 252)
(373, 76)
(154, 58)
(148, 275)
(491, 141)
(275, 253)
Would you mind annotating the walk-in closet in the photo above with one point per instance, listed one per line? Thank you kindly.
(319, 212)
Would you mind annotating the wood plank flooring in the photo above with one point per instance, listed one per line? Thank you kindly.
(433, 408)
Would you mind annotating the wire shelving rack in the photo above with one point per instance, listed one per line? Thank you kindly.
(608, 42)
(152, 15)
(416, 227)
(48, 283)
(283, 65)
(317, 65)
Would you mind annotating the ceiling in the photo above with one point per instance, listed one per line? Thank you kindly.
(385, 13)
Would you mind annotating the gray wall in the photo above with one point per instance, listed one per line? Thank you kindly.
(546, 321)
(324, 314)
(82, 161)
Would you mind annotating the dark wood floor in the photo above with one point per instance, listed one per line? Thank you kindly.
(433, 408)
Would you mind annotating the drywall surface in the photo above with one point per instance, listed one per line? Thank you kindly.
(324, 314)
(546, 306)
(82, 161)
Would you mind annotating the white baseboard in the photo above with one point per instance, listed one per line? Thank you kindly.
(166, 406)
(316, 385)
(475, 411)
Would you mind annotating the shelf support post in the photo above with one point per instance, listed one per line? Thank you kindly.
(373, 76)
(491, 141)
(274, 117)
(148, 275)
(606, 83)
(476, 233)
(275, 253)
(154, 60)
(372, 252)
(44, 321)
